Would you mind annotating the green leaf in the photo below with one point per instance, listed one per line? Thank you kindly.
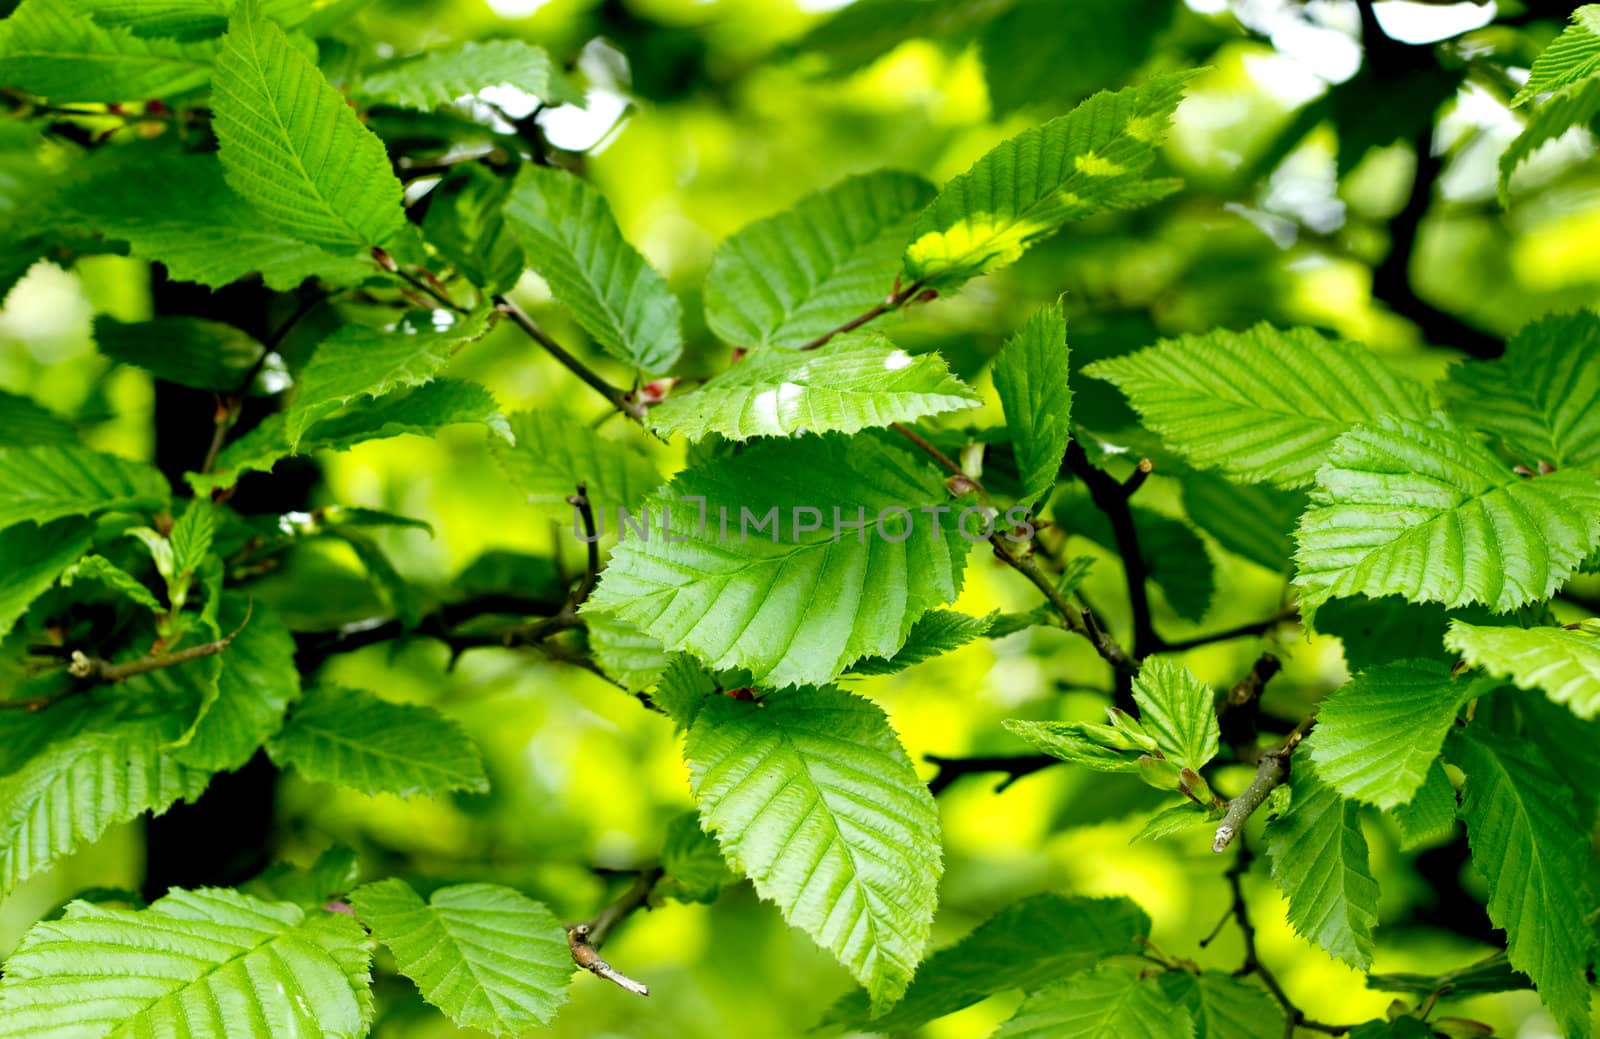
(1577, 106)
(49, 48)
(188, 19)
(1564, 662)
(683, 689)
(422, 411)
(1030, 375)
(191, 537)
(1174, 819)
(1423, 510)
(188, 351)
(864, 31)
(105, 770)
(1543, 397)
(358, 361)
(813, 798)
(794, 277)
(692, 862)
(1319, 860)
(99, 568)
(491, 958)
(48, 482)
(1072, 742)
(32, 557)
(1223, 1006)
(1040, 52)
(1090, 160)
(1405, 1027)
(208, 962)
(935, 633)
(801, 607)
(178, 210)
(1264, 405)
(1254, 521)
(292, 146)
(572, 240)
(1430, 815)
(625, 653)
(335, 873)
(352, 738)
(853, 383)
(553, 452)
(1178, 710)
(1528, 844)
(257, 683)
(466, 223)
(1025, 946)
(1571, 57)
(437, 78)
(1493, 973)
(26, 423)
(1108, 1002)
(1378, 735)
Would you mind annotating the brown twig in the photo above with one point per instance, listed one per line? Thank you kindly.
(1016, 767)
(1239, 711)
(1272, 768)
(586, 938)
(94, 669)
(894, 301)
(626, 403)
(1261, 627)
(1110, 497)
(580, 501)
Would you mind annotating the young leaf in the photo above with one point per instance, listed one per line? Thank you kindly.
(352, 738)
(187, 351)
(853, 383)
(54, 50)
(1319, 860)
(1178, 710)
(803, 606)
(360, 361)
(1563, 662)
(293, 147)
(1071, 742)
(1173, 819)
(422, 411)
(1090, 160)
(178, 209)
(552, 453)
(1262, 405)
(491, 958)
(813, 798)
(1107, 1001)
(211, 962)
(1378, 735)
(32, 557)
(99, 568)
(465, 222)
(1543, 396)
(1030, 375)
(1223, 1006)
(1571, 57)
(1427, 512)
(48, 482)
(794, 277)
(438, 77)
(935, 633)
(188, 19)
(1025, 946)
(572, 240)
(1529, 845)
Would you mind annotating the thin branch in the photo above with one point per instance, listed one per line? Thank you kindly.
(580, 501)
(623, 402)
(1294, 1017)
(95, 669)
(1239, 712)
(894, 301)
(1136, 479)
(1110, 498)
(586, 938)
(228, 407)
(1261, 627)
(952, 769)
(1272, 768)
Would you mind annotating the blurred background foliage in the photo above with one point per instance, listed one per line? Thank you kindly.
(1340, 173)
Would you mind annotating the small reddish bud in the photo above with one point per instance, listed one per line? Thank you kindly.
(743, 693)
(738, 354)
(960, 484)
(1546, 467)
(1522, 470)
(926, 296)
(655, 391)
(156, 106)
